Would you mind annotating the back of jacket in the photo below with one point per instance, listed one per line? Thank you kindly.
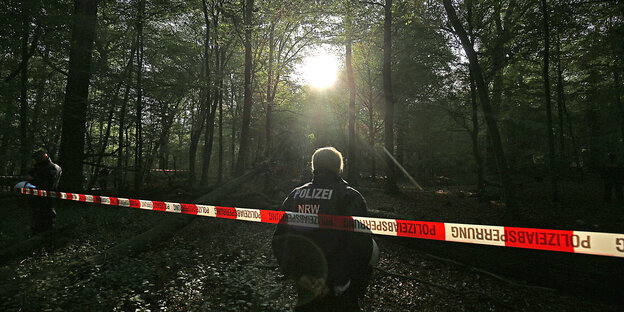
(332, 254)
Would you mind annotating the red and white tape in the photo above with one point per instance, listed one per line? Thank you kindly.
(594, 243)
(168, 170)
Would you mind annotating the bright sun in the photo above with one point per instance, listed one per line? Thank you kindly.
(320, 70)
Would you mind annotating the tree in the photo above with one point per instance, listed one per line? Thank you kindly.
(76, 93)
(28, 8)
(549, 123)
(244, 145)
(352, 171)
(138, 156)
(501, 160)
(391, 185)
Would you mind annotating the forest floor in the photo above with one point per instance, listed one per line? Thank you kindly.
(225, 265)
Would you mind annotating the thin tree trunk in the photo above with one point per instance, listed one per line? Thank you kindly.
(391, 185)
(498, 61)
(549, 123)
(244, 139)
(25, 143)
(138, 157)
(474, 135)
(618, 101)
(221, 68)
(352, 172)
(76, 94)
(233, 109)
(269, 94)
(220, 171)
(167, 121)
(501, 160)
(371, 128)
(37, 109)
(560, 103)
(104, 139)
(208, 142)
(119, 176)
(401, 133)
(196, 130)
(110, 118)
(208, 98)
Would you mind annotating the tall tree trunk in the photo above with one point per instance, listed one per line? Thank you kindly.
(25, 143)
(402, 126)
(114, 98)
(352, 172)
(618, 101)
(498, 62)
(560, 103)
(269, 94)
(120, 172)
(76, 93)
(233, 109)
(244, 139)
(41, 84)
(208, 142)
(551, 138)
(163, 138)
(163, 155)
(208, 98)
(196, 130)
(220, 169)
(391, 185)
(498, 59)
(574, 148)
(474, 107)
(104, 141)
(221, 69)
(204, 109)
(474, 135)
(138, 156)
(371, 127)
(501, 160)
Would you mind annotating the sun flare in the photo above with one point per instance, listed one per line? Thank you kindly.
(320, 70)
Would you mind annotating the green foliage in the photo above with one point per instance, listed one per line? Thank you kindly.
(429, 74)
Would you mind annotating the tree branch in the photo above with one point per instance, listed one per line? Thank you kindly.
(372, 3)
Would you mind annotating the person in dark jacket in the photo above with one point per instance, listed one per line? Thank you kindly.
(330, 267)
(44, 176)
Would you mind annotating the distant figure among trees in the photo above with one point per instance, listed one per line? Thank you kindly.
(103, 178)
(331, 268)
(612, 175)
(44, 176)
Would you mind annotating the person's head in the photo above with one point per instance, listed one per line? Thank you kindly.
(39, 155)
(327, 159)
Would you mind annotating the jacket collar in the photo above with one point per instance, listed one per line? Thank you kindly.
(322, 176)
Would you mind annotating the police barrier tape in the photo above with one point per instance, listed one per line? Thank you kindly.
(168, 170)
(594, 243)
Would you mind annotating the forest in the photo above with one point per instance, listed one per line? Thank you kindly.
(493, 112)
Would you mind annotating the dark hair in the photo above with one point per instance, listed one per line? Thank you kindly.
(39, 153)
(327, 158)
